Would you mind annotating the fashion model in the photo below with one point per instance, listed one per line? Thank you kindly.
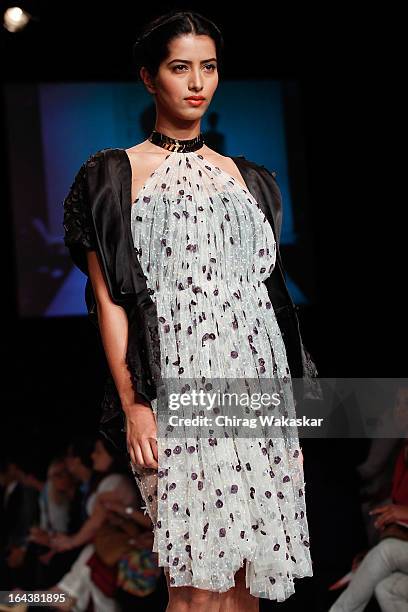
(189, 299)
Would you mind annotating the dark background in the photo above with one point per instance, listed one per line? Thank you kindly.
(53, 369)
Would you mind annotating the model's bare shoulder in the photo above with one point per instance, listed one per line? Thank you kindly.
(144, 149)
(138, 148)
(143, 163)
(142, 156)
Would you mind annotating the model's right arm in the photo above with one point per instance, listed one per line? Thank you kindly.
(113, 324)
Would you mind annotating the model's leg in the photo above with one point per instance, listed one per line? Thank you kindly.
(178, 597)
(181, 599)
(386, 557)
(239, 599)
(190, 599)
(392, 593)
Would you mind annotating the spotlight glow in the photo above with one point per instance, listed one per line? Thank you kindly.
(15, 19)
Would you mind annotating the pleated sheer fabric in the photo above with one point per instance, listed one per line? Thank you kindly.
(206, 247)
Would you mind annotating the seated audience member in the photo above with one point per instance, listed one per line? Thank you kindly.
(379, 569)
(377, 469)
(140, 581)
(20, 512)
(77, 584)
(79, 464)
(55, 501)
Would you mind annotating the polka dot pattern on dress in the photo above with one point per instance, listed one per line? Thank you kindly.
(206, 247)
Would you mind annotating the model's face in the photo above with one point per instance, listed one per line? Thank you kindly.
(101, 458)
(189, 70)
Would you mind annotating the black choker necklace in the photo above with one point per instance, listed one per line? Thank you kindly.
(174, 144)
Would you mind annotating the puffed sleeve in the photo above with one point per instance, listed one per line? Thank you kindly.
(79, 231)
(276, 196)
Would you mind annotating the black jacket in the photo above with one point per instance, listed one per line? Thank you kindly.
(20, 512)
(97, 217)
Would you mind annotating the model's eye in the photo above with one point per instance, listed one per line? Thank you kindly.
(211, 66)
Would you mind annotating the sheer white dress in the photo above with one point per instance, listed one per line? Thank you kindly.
(205, 247)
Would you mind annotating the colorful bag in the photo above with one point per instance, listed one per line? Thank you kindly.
(138, 572)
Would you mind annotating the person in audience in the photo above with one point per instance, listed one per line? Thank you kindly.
(20, 511)
(77, 584)
(389, 557)
(377, 469)
(55, 498)
(141, 584)
(55, 501)
(392, 592)
(52, 565)
(79, 463)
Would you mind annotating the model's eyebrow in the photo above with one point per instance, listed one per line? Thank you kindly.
(212, 59)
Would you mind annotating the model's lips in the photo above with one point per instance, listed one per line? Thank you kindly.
(195, 98)
(195, 101)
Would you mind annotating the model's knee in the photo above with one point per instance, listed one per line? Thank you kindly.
(201, 600)
(179, 599)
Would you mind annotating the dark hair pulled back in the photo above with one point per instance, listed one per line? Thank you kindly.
(152, 45)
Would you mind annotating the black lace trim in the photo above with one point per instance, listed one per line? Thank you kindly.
(79, 232)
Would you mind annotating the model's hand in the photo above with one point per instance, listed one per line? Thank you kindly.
(391, 513)
(141, 434)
